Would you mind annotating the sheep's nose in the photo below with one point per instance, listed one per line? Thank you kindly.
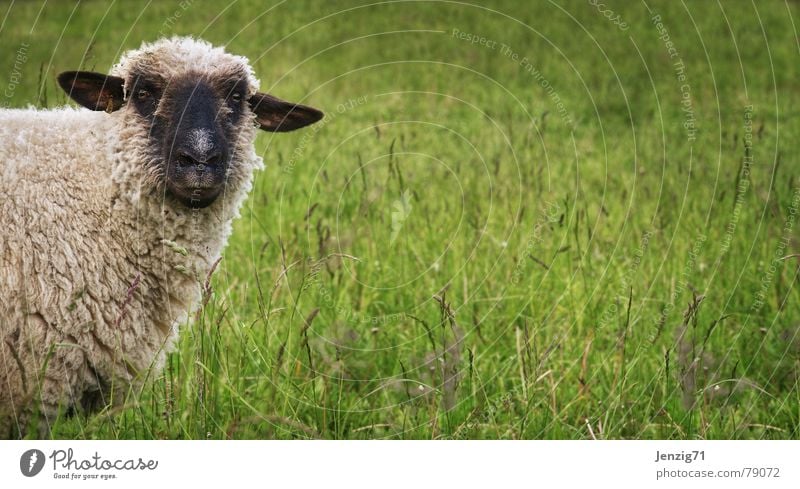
(188, 157)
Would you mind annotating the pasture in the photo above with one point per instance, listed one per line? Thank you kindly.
(521, 220)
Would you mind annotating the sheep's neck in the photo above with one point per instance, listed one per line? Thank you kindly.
(173, 247)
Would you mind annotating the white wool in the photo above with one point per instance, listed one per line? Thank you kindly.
(97, 268)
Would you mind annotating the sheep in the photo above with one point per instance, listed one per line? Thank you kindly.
(112, 217)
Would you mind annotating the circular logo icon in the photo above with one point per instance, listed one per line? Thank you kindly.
(31, 462)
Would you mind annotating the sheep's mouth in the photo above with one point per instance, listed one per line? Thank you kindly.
(195, 188)
(195, 185)
(195, 197)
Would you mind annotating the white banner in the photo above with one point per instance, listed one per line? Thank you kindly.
(400, 464)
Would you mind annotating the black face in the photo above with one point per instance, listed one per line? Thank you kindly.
(193, 124)
(192, 121)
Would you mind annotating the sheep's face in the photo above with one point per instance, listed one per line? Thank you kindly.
(198, 106)
(193, 122)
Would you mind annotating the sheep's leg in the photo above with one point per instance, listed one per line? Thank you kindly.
(37, 421)
(29, 419)
(14, 385)
(55, 399)
(46, 376)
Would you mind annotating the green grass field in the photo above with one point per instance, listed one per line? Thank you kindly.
(535, 220)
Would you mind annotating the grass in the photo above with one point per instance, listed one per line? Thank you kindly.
(580, 245)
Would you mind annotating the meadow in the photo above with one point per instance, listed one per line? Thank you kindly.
(518, 220)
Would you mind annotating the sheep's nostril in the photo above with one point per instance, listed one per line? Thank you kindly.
(184, 159)
(213, 159)
(201, 162)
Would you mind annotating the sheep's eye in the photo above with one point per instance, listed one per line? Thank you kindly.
(142, 94)
(236, 97)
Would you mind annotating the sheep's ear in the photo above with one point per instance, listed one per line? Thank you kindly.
(276, 115)
(94, 91)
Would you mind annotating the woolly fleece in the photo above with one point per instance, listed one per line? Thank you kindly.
(97, 267)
